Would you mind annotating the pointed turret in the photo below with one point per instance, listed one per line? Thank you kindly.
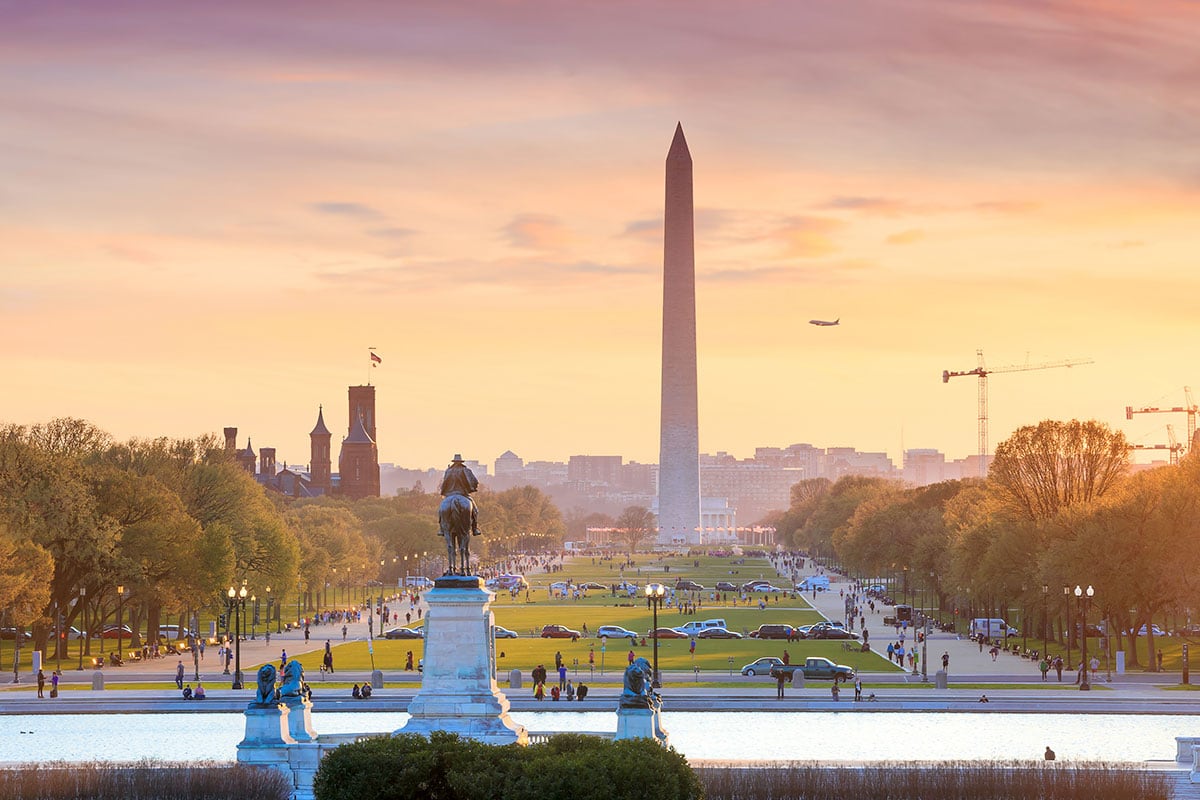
(320, 455)
(358, 434)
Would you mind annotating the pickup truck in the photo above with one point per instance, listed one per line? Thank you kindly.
(813, 668)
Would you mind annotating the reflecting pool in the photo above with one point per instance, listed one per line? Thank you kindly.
(714, 735)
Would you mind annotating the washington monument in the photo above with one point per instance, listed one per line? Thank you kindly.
(679, 442)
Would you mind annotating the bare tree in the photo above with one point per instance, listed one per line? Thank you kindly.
(1044, 468)
(635, 525)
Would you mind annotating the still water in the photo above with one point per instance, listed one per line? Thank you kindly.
(735, 736)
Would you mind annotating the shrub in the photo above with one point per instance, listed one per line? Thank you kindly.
(145, 780)
(964, 780)
(445, 767)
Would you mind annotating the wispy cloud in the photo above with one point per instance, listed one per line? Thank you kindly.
(875, 205)
(816, 272)
(536, 232)
(357, 211)
(805, 237)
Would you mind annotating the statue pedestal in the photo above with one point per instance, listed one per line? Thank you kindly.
(640, 723)
(299, 718)
(267, 726)
(459, 692)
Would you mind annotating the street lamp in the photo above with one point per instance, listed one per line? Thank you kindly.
(655, 593)
(1045, 618)
(83, 616)
(270, 605)
(254, 616)
(1085, 599)
(120, 629)
(237, 602)
(1067, 603)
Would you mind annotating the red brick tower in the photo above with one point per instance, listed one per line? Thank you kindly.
(321, 468)
(362, 404)
(358, 465)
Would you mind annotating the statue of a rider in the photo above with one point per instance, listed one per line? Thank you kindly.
(458, 479)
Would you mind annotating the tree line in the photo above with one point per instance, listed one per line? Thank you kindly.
(175, 522)
(1059, 508)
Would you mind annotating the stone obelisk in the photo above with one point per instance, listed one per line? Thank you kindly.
(679, 431)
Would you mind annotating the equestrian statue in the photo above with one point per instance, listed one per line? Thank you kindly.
(457, 515)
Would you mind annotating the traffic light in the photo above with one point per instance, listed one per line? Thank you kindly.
(220, 620)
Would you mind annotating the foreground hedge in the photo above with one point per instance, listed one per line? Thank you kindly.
(145, 780)
(445, 767)
(952, 780)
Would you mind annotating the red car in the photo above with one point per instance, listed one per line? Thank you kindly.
(667, 633)
(559, 632)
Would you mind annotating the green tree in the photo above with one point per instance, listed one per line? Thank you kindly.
(635, 526)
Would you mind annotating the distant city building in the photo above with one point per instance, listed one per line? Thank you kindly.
(508, 464)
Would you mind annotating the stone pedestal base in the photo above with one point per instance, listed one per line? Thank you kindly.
(299, 719)
(458, 692)
(267, 727)
(640, 723)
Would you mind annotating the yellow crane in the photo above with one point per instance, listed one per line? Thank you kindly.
(982, 371)
(1189, 408)
(1173, 445)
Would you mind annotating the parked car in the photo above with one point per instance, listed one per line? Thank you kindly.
(666, 633)
(718, 633)
(559, 632)
(1157, 631)
(503, 633)
(112, 632)
(688, 586)
(766, 665)
(404, 633)
(592, 586)
(772, 631)
(725, 586)
(11, 633)
(752, 586)
(613, 632)
(561, 586)
(831, 632)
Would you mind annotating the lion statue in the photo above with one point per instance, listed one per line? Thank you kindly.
(266, 696)
(293, 680)
(638, 693)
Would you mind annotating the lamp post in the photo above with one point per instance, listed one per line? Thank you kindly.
(83, 615)
(1067, 603)
(1045, 618)
(270, 605)
(655, 593)
(237, 600)
(120, 629)
(1085, 598)
(253, 616)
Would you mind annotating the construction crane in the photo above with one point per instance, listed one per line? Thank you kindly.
(1174, 446)
(1188, 408)
(982, 371)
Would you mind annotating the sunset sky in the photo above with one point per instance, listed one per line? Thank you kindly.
(209, 211)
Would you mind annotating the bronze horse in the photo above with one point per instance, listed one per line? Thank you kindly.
(455, 523)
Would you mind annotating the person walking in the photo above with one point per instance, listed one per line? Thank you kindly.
(780, 677)
(41, 683)
(1058, 667)
(946, 661)
(1044, 666)
(344, 629)
(562, 676)
(179, 675)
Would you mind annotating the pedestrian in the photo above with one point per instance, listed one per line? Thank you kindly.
(692, 646)
(780, 676)
(1044, 666)
(179, 675)
(834, 690)
(891, 651)
(983, 698)
(981, 644)
(282, 659)
(1159, 658)
(562, 676)
(570, 691)
(787, 658)
(268, 635)
(344, 633)
(946, 660)
(858, 688)
(1095, 665)
(408, 663)
(1058, 667)
(631, 656)
(558, 661)
(41, 683)
(306, 633)
(1049, 755)
(54, 683)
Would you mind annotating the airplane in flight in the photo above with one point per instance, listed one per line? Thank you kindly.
(824, 323)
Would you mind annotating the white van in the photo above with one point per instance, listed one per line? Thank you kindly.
(993, 628)
(419, 581)
(695, 626)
